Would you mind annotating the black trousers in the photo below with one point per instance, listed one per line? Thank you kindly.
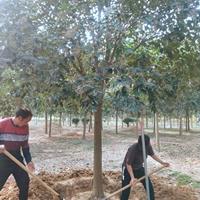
(8, 167)
(126, 180)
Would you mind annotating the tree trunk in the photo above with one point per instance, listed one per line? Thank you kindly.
(147, 121)
(122, 119)
(46, 122)
(180, 126)
(188, 121)
(137, 126)
(50, 125)
(90, 123)
(178, 122)
(116, 125)
(63, 120)
(84, 125)
(97, 192)
(60, 122)
(154, 124)
(191, 122)
(164, 122)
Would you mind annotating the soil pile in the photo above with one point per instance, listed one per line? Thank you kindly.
(80, 187)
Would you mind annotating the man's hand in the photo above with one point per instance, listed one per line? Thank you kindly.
(2, 148)
(155, 157)
(133, 182)
(166, 164)
(31, 166)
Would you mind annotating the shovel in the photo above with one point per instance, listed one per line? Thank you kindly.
(54, 193)
(129, 185)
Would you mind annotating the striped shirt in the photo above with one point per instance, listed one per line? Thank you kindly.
(15, 138)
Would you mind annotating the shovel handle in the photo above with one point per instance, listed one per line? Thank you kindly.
(129, 185)
(9, 155)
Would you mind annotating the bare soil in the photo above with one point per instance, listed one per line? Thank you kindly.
(163, 190)
(65, 156)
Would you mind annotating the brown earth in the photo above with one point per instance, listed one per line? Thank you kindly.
(163, 190)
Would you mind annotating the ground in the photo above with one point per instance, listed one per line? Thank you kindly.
(65, 153)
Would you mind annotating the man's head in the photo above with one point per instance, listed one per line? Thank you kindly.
(22, 117)
(146, 140)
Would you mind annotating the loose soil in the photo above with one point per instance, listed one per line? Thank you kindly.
(65, 156)
(111, 180)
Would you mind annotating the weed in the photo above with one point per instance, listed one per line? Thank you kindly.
(183, 179)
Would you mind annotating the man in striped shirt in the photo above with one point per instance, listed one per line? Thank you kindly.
(14, 133)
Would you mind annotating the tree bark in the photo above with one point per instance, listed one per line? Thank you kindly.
(116, 125)
(97, 192)
(122, 119)
(90, 123)
(46, 122)
(180, 126)
(147, 121)
(164, 122)
(60, 122)
(50, 125)
(84, 125)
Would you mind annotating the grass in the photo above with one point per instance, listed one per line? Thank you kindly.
(183, 179)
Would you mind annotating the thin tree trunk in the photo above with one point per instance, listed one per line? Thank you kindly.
(97, 192)
(50, 125)
(154, 124)
(188, 121)
(90, 123)
(46, 122)
(180, 126)
(63, 120)
(84, 125)
(191, 122)
(178, 121)
(147, 121)
(116, 125)
(122, 119)
(60, 122)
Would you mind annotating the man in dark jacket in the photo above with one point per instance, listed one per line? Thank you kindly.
(133, 169)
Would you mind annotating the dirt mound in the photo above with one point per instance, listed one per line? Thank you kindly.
(78, 187)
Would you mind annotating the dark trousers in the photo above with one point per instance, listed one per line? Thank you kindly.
(8, 167)
(126, 180)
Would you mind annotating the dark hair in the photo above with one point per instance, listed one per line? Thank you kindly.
(146, 140)
(24, 113)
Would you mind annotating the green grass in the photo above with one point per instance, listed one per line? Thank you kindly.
(183, 179)
(196, 184)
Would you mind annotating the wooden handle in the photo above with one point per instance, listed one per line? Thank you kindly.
(129, 185)
(29, 172)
